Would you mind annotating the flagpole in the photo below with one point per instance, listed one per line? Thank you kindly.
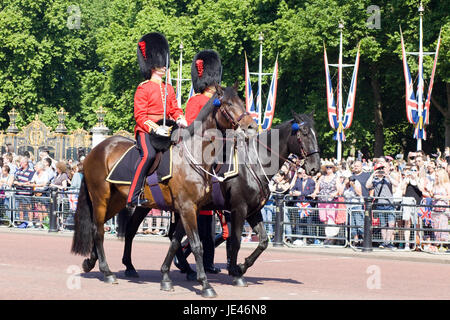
(261, 39)
(339, 115)
(180, 75)
(420, 89)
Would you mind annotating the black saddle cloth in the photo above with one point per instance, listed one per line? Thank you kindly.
(124, 169)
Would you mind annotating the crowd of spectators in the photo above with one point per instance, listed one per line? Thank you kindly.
(26, 183)
(397, 186)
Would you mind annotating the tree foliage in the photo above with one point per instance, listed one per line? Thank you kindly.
(46, 63)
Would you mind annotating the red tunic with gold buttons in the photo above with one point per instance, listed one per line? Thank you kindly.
(149, 105)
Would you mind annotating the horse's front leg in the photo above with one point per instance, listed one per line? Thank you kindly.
(175, 244)
(262, 245)
(237, 223)
(189, 219)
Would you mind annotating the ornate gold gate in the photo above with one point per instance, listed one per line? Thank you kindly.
(36, 136)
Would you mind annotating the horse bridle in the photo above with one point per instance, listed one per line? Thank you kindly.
(302, 146)
(234, 123)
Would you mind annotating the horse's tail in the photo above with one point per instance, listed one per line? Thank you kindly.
(122, 222)
(83, 237)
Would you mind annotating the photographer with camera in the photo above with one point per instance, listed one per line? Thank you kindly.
(412, 190)
(382, 185)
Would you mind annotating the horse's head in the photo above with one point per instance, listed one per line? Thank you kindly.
(231, 113)
(303, 142)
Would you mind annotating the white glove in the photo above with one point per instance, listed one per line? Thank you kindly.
(162, 131)
(181, 122)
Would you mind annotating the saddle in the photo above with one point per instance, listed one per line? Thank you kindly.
(161, 171)
(124, 169)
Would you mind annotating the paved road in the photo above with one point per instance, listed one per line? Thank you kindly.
(40, 266)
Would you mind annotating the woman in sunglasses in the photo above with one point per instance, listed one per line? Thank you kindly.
(328, 188)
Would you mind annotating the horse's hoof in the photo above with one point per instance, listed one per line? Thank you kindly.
(191, 275)
(240, 282)
(131, 273)
(111, 279)
(167, 286)
(209, 293)
(87, 266)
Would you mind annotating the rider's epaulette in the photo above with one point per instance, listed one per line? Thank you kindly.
(143, 82)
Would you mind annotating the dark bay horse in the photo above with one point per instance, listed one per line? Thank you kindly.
(187, 190)
(260, 158)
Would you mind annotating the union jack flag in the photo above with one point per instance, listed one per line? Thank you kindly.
(337, 120)
(331, 104)
(191, 92)
(425, 212)
(303, 209)
(270, 106)
(249, 101)
(350, 107)
(73, 201)
(411, 102)
(417, 112)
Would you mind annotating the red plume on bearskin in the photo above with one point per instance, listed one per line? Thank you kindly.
(142, 47)
(152, 50)
(206, 70)
(199, 65)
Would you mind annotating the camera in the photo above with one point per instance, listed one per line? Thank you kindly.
(352, 179)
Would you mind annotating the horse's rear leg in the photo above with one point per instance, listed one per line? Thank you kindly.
(99, 234)
(89, 263)
(109, 277)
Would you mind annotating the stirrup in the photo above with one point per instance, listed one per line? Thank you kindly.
(142, 202)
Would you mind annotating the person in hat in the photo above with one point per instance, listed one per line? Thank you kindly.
(149, 100)
(303, 187)
(328, 188)
(382, 186)
(206, 73)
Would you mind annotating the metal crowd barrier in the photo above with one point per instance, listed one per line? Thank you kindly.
(287, 220)
(51, 210)
(301, 223)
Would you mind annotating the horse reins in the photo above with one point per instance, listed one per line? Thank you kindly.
(234, 124)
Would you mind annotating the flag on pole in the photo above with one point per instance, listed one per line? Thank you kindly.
(333, 118)
(271, 99)
(350, 107)
(249, 101)
(191, 91)
(430, 87)
(411, 102)
(178, 89)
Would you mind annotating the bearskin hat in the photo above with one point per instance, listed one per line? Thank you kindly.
(206, 70)
(152, 51)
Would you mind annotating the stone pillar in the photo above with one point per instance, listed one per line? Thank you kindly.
(100, 131)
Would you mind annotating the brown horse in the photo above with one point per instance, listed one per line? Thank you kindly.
(186, 191)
